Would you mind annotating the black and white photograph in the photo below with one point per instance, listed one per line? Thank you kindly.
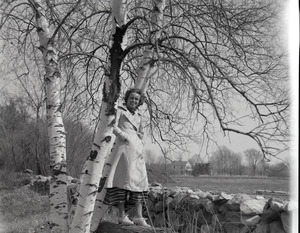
(149, 116)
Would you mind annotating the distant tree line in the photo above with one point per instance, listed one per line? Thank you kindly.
(223, 161)
(226, 162)
(201, 169)
(24, 142)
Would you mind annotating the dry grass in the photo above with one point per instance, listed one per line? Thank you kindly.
(233, 184)
(24, 211)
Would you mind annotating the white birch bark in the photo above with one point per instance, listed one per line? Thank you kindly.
(93, 168)
(147, 69)
(56, 132)
(145, 72)
(100, 208)
(119, 17)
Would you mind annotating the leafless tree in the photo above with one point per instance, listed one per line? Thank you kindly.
(218, 65)
(226, 162)
(221, 67)
(254, 159)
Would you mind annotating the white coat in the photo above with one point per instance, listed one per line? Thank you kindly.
(128, 169)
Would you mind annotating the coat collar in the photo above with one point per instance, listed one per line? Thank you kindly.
(134, 119)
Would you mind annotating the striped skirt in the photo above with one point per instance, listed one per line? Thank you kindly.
(116, 195)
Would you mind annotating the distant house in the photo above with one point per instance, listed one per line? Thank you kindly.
(188, 168)
(179, 168)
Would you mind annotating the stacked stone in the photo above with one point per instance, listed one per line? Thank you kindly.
(186, 211)
(41, 184)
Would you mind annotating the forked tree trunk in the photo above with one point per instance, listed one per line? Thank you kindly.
(146, 70)
(119, 13)
(56, 132)
(102, 143)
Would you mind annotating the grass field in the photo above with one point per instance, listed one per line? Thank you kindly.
(232, 184)
(21, 210)
(24, 211)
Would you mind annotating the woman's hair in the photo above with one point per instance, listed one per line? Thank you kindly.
(135, 90)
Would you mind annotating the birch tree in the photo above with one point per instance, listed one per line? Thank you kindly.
(144, 73)
(221, 65)
(56, 131)
(102, 142)
(28, 11)
(207, 58)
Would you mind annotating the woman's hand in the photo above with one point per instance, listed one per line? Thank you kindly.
(123, 138)
(120, 134)
(140, 135)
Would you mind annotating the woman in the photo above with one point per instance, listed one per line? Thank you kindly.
(127, 183)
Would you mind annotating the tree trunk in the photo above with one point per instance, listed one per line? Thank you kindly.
(119, 13)
(93, 168)
(144, 74)
(56, 132)
(147, 68)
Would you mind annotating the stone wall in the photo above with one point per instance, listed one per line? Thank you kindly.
(188, 211)
(41, 184)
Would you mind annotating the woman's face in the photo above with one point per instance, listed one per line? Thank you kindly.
(133, 100)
